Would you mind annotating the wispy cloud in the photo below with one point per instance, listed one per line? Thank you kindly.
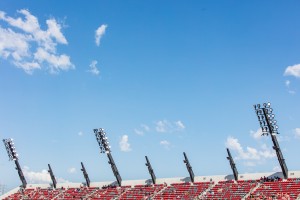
(164, 126)
(161, 126)
(251, 154)
(40, 177)
(283, 138)
(145, 127)
(287, 84)
(93, 68)
(124, 144)
(297, 132)
(138, 132)
(99, 33)
(293, 70)
(256, 134)
(180, 125)
(72, 170)
(142, 129)
(249, 164)
(166, 144)
(29, 47)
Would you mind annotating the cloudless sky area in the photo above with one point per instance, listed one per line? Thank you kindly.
(166, 77)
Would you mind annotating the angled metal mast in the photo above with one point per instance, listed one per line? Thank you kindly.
(85, 174)
(52, 176)
(105, 148)
(151, 172)
(269, 126)
(232, 165)
(12, 154)
(189, 167)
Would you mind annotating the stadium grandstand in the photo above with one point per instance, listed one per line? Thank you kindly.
(282, 185)
(249, 186)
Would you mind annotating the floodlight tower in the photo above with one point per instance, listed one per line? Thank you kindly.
(269, 126)
(189, 167)
(151, 171)
(105, 148)
(52, 176)
(232, 165)
(85, 174)
(12, 154)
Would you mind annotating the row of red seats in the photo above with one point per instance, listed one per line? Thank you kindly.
(289, 189)
(182, 191)
(140, 192)
(222, 190)
(229, 190)
(34, 194)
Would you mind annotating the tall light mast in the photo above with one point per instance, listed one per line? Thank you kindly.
(12, 154)
(269, 126)
(151, 171)
(189, 167)
(232, 165)
(105, 148)
(52, 176)
(85, 174)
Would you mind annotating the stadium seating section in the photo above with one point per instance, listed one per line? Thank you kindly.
(227, 190)
(289, 189)
(230, 190)
(182, 191)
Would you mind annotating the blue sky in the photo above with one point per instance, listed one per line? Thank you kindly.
(160, 77)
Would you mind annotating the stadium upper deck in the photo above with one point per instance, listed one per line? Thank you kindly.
(249, 186)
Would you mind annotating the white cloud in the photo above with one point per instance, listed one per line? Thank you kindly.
(249, 164)
(14, 44)
(99, 33)
(56, 62)
(143, 128)
(36, 177)
(29, 25)
(164, 126)
(54, 30)
(297, 132)
(28, 67)
(124, 145)
(250, 153)
(61, 180)
(276, 169)
(180, 125)
(39, 177)
(138, 132)
(93, 68)
(80, 133)
(256, 134)
(233, 144)
(72, 170)
(166, 144)
(29, 47)
(293, 70)
(283, 138)
(266, 152)
(287, 84)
